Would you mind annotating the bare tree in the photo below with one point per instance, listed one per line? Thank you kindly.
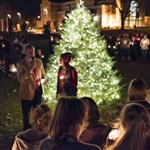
(124, 9)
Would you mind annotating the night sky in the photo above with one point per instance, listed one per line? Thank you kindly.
(26, 7)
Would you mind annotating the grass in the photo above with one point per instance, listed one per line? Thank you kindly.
(10, 110)
(10, 107)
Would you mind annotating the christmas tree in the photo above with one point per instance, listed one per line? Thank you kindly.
(81, 36)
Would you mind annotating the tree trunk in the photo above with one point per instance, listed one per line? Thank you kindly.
(122, 23)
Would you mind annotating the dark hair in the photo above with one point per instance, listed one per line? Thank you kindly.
(93, 114)
(137, 90)
(67, 54)
(29, 46)
(40, 118)
(69, 115)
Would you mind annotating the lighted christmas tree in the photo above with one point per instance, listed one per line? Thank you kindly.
(81, 36)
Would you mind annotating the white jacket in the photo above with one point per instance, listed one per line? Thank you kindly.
(144, 44)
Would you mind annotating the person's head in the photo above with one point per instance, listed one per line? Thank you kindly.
(93, 114)
(70, 118)
(30, 51)
(16, 41)
(133, 124)
(137, 90)
(39, 51)
(40, 118)
(65, 58)
(145, 36)
(3, 62)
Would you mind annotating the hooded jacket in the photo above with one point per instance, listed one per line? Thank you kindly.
(28, 140)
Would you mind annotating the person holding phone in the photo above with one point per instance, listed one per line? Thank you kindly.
(31, 75)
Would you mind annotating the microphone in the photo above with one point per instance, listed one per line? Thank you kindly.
(32, 58)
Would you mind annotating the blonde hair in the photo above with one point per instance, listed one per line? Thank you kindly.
(40, 118)
(134, 122)
(147, 98)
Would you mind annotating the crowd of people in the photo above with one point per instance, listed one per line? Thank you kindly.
(126, 47)
(76, 123)
(12, 52)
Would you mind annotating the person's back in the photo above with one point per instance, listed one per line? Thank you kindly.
(96, 132)
(69, 143)
(131, 131)
(30, 139)
(67, 125)
(96, 135)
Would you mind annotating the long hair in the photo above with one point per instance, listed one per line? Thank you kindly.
(40, 118)
(94, 113)
(137, 90)
(70, 116)
(134, 123)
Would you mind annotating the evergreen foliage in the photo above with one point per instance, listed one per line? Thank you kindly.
(81, 36)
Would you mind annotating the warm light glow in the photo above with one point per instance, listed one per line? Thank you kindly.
(13, 68)
(81, 36)
(38, 17)
(27, 22)
(19, 14)
(8, 15)
(96, 18)
(110, 20)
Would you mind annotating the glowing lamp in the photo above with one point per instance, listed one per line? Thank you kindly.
(109, 46)
(13, 68)
(61, 77)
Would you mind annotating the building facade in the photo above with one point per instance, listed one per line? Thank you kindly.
(106, 14)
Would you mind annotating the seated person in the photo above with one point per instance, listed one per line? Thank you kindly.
(131, 129)
(30, 139)
(95, 133)
(137, 90)
(4, 71)
(70, 119)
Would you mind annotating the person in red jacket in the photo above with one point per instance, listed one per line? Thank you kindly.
(67, 76)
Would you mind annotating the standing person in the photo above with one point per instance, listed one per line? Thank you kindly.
(23, 44)
(144, 46)
(16, 51)
(31, 75)
(40, 55)
(67, 125)
(30, 139)
(134, 49)
(67, 77)
(125, 47)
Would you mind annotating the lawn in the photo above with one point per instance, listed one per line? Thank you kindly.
(10, 110)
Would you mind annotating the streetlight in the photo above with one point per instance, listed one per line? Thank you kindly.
(19, 15)
(9, 16)
(19, 21)
(7, 21)
(38, 17)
